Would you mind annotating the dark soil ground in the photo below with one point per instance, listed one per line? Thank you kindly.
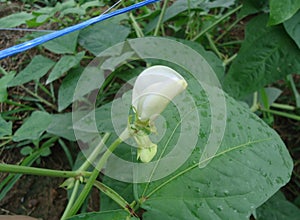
(34, 195)
(43, 198)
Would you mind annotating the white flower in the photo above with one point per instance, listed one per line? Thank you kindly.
(154, 88)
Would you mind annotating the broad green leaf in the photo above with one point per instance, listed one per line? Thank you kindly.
(281, 11)
(37, 68)
(3, 85)
(63, 65)
(26, 150)
(278, 208)
(249, 167)
(221, 190)
(67, 88)
(210, 57)
(61, 125)
(63, 45)
(89, 4)
(14, 20)
(107, 215)
(251, 164)
(77, 11)
(292, 26)
(5, 127)
(46, 152)
(99, 37)
(33, 127)
(180, 6)
(267, 54)
(253, 7)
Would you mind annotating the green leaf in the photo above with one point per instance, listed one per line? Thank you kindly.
(26, 150)
(281, 11)
(292, 26)
(210, 57)
(37, 68)
(277, 207)
(63, 65)
(3, 85)
(5, 127)
(33, 127)
(62, 126)
(99, 37)
(14, 20)
(251, 164)
(45, 152)
(67, 88)
(271, 93)
(107, 215)
(253, 7)
(267, 54)
(63, 45)
(89, 4)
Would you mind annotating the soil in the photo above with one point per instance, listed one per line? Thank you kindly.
(34, 195)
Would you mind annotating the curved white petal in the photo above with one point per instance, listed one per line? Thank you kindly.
(154, 88)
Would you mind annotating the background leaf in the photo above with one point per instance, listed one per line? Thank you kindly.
(37, 68)
(3, 85)
(281, 11)
(278, 208)
(5, 127)
(253, 7)
(14, 20)
(266, 55)
(99, 37)
(61, 125)
(63, 45)
(292, 26)
(33, 127)
(67, 88)
(63, 65)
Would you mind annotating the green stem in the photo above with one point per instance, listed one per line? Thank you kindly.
(217, 22)
(254, 106)
(283, 106)
(39, 98)
(229, 60)
(113, 195)
(161, 17)
(11, 168)
(95, 153)
(284, 114)
(228, 29)
(5, 142)
(72, 199)
(138, 30)
(213, 45)
(90, 182)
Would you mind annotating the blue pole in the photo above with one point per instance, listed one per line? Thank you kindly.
(40, 40)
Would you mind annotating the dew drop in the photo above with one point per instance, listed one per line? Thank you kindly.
(226, 192)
